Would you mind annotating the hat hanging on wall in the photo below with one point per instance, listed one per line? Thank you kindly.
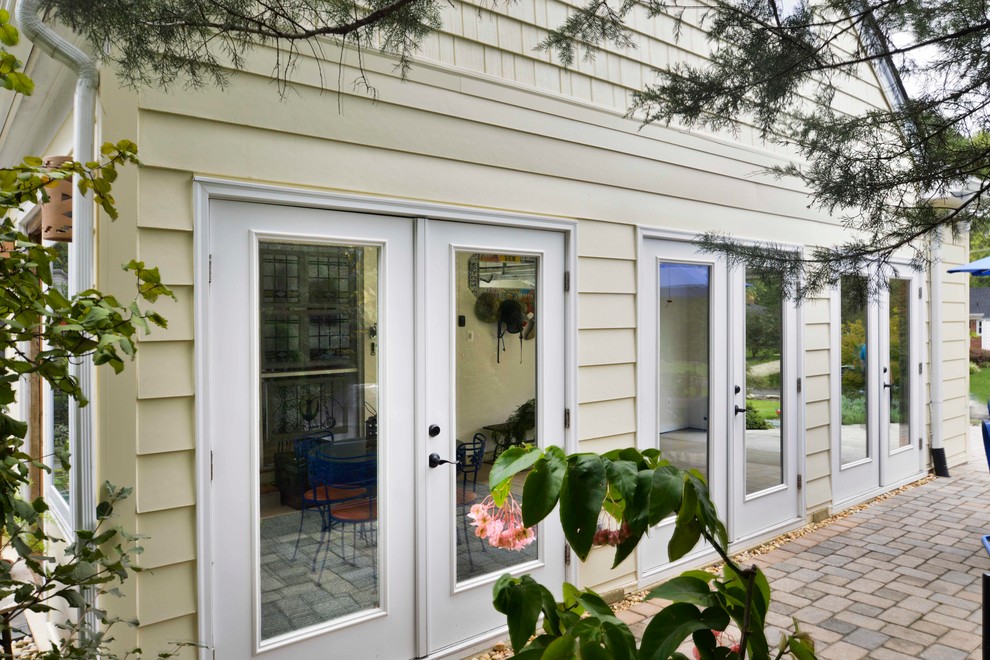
(486, 307)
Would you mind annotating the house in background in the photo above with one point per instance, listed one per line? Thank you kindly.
(979, 318)
(361, 286)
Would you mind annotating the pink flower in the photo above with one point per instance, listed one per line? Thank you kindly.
(501, 526)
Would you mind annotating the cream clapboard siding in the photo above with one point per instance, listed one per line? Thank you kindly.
(817, 395)
(955, 350)
(484, 121)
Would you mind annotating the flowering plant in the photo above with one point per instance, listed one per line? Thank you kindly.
(501, 525)
(614, 499)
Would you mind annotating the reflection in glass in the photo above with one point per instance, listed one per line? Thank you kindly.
(900, 361)
(684, 365)
(764, 394)
(855, 384)
(495, 395)
(319, 434)
(58, 423)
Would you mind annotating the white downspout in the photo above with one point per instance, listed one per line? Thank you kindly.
(82, 249)
(935, 357)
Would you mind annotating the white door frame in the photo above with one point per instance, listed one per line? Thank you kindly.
(648, 571)
(877, 317)
(206, 189)
(652, 564)
(790, 492)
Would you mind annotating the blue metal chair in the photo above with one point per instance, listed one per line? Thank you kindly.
(470, 456)
(985, 426)
(350, 485)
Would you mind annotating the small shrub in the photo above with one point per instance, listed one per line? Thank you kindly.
(754, 420)
(979, 356)
(853, 410)
(974, 368)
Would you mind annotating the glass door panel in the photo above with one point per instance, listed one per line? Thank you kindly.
(764, 347)
(495, 398)
(898, 380)
(683, 350)
(319, 458)
(310, 514)
(854, 431)
(494, 375)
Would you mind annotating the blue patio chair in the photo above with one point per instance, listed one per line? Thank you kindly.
(350, 486)
(985, 426)
(470, 456)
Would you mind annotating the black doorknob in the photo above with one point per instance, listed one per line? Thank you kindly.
(434, 430)
(436, 461)
(740, 410)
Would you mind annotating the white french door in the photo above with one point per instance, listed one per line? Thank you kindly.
(900, 389)
(310, 365)
(330, 529)
(683, 380)
(876, 411)
(482, 365)
(765, 404)
(714, 342)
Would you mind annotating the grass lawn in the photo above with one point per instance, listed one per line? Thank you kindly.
(979, 384)
(767, 408)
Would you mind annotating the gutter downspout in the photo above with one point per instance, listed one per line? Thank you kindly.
(82, 250)
(935, 358)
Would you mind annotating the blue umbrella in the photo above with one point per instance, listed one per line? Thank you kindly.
(978, 267)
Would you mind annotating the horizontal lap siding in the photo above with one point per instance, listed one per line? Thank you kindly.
(606, 285)
(955, 351)
(485, 122)
(817, 395)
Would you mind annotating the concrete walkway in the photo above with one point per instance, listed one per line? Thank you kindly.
(900, 579)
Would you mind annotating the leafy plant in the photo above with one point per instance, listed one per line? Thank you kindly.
(754, 420)
(638, 489)
(522, 421)
(87, 326)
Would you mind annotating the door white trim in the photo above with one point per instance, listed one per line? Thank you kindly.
(206, 189)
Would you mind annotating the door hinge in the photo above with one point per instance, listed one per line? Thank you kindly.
(920, 369)
(211, 466)
(567, 418)
(567, 280)
(799, 385)
(210, 269)
(919, 293)
(567, 555)
(800, 482)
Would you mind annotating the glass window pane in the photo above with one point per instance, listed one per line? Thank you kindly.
(319, 434)
(58, 424)
(764, 394)
(684, 365)
(495, 396)
(900, 364)
(855, 384)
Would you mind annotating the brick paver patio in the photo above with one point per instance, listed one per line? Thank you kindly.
(900, 579)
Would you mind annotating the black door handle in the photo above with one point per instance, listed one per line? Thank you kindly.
(887, 385)
(740, 410)
(434, 430)
(436, 461)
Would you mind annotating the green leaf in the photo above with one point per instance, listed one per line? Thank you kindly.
(619, 640)
(622, 477)
(542, 488)
(673, 624)
(686, 589)
(802, 649)
(683, 540)
(665, 497)
(562, 648)
(510, 462)
(72, 597)
(592, 650)
(581, 501)
(524, 606)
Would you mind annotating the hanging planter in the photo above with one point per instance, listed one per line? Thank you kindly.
(56, 213)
